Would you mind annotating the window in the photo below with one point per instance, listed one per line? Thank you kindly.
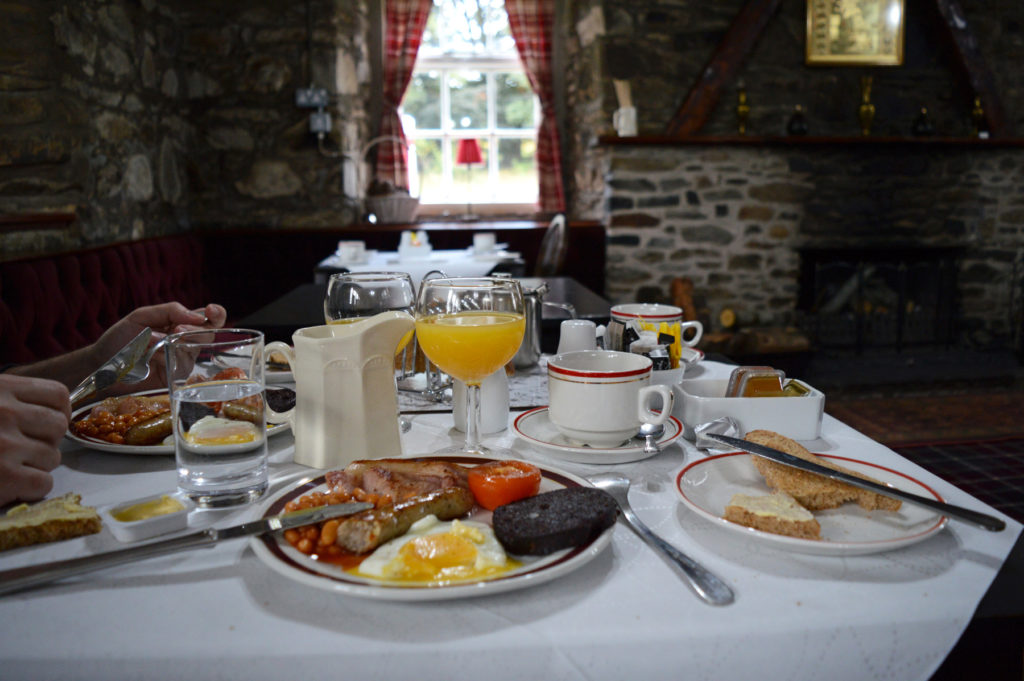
(468, 83)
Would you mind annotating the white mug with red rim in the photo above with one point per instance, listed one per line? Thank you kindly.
(600, 397)
(658, 318)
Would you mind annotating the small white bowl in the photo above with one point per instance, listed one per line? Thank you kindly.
(699, 401)
(136, 530)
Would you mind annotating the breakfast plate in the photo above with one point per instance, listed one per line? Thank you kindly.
(535, 427)
(281, 557)
(707, 485)
(159, 449)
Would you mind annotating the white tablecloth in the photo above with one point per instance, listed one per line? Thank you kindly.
(453, 262)
(222, 614)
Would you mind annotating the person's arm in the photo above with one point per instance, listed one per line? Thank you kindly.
(71, 368)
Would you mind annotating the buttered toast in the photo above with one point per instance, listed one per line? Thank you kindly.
(778, 513)
(51, 520)
(811, 490)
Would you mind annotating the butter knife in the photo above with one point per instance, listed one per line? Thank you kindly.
(114, 368)
(983, 520)
(33, 575)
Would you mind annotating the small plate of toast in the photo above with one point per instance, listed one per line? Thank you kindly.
(782, 507)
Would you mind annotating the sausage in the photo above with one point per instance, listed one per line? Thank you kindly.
(366, 531)
(239, 411)
(151, 431)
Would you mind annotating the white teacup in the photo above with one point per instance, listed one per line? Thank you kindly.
(484, 242)
(658, 318)
(600, 397)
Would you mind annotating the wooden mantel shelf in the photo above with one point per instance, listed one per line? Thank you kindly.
(803, 140)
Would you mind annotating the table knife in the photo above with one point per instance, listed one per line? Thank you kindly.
(114, 368)
(33, 575)
(974, 517)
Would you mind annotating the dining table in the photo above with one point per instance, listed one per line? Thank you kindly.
(454, 262)
(620, 612)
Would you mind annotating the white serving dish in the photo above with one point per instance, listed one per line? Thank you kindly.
(701, 400)
(136, 530)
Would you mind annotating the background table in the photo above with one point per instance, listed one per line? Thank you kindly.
(459, 262)
(304, 306)
(222, 613)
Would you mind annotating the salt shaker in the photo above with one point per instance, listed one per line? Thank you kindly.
(577, 334)
(493, 403)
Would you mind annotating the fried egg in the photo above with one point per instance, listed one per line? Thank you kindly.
(435, 552)
(214, 430)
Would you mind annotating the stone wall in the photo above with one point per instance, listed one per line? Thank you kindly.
(149, 118)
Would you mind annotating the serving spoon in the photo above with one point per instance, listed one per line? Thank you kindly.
(707, 586)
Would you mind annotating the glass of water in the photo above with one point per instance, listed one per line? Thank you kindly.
(216, 383)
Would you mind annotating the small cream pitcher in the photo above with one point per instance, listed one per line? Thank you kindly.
(346, 407)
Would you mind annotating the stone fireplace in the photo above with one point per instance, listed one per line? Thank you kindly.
(744, 221)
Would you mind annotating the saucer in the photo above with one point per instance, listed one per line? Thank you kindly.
(536, 428)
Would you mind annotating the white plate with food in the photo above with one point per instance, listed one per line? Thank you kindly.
(276, 369)
(344, 573)
(535, 427)
(708, 485)
(146, 435)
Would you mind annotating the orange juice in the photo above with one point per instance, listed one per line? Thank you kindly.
(471, 345)
(352, 320)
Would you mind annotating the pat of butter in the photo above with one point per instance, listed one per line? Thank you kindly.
(148, 509)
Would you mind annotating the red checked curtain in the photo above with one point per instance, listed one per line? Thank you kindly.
(404, 21)
(531, 23)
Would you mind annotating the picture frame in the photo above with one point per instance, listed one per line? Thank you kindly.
(855, 32)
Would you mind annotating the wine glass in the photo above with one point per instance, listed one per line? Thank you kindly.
(470, 328)
(353, 296)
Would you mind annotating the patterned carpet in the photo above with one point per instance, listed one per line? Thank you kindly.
(928, 419)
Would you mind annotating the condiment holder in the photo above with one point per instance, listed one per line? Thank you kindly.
(147, 517)
(703, 400)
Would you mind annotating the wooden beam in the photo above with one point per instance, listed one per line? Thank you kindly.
(978, 74)
(36, 221)
(730, 54)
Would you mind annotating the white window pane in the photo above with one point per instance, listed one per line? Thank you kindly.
(517, 171)
(469, 99)
(515, 101)
(422, 100)
(431, 167)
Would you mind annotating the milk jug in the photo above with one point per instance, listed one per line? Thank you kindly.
(346, 407)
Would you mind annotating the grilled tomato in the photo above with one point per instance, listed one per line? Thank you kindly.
(497, 483)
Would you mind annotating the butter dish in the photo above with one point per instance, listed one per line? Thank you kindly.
(148, 516)
(701, 400)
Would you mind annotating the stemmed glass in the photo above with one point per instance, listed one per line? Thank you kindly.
(470, 328)
(353, 296)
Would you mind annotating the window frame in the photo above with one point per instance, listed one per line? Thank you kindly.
(449, 135)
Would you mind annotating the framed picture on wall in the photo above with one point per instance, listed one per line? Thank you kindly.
(855, 32)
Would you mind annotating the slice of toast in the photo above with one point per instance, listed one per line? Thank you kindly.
(778, 513)
(811, 490)
(46, 521)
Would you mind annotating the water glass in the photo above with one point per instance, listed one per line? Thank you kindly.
(216, 383)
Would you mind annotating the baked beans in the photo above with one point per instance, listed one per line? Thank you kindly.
(320, 538)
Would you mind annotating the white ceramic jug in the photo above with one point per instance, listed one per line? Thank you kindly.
(345, 402)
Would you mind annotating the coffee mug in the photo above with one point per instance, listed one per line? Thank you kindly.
(667, 319)
(624, 120)
(600, 397)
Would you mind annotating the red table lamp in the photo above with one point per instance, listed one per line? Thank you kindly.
(468, 153)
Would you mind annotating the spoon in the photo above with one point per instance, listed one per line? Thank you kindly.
(707, 586)
(651, 432)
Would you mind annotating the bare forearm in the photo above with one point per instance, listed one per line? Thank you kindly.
(70, 368)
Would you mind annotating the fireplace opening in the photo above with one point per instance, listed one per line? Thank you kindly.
(896, 298)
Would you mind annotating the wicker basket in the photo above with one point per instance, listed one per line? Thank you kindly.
(393, 209)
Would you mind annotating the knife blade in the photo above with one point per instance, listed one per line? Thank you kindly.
(114, 368)
(983, 520)
(21, 578)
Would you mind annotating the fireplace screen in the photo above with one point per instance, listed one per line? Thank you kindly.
(857, 299)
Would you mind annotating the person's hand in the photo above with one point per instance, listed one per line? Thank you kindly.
(164, 320)
(34, 415)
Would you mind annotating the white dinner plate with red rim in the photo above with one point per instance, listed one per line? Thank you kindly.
(146, 450)
(281, 557)
(707, 486)
(535, 427)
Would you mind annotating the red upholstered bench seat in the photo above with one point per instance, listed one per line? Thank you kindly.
(53, 304)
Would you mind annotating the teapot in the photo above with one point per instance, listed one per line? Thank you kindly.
(346, 407)
(533, 304)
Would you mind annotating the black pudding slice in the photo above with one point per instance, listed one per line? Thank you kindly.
(553, 521)
(280, 399)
